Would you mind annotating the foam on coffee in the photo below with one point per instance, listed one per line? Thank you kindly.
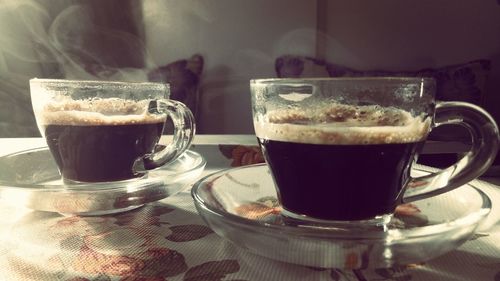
(343, 124)
(97, 112)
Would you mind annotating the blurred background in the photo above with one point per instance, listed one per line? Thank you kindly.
(209, 50)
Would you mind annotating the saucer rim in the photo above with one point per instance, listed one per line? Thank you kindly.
(135, 183)
(473, 218)
(109, 198)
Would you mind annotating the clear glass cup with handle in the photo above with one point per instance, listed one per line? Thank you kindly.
(340, 150)
(104, 131)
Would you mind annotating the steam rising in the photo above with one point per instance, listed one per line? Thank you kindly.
(106, 40)
(61, 39)
(67, 45)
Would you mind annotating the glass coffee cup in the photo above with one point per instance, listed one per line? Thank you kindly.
(103, 131)
(341, 149)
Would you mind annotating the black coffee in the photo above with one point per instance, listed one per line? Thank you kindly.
(91, 147)
(101, 153)
(348, 169)
(339, 182)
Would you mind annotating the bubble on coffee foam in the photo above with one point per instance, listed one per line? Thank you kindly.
(94, 112)
(343, 124)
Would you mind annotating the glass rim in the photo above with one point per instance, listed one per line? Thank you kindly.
(404, 79)
(76, 82)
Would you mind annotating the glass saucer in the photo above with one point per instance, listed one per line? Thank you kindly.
(240, 205)
(31, 179)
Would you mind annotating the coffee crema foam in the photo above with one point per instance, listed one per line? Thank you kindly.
(343, 124)
(98, 112)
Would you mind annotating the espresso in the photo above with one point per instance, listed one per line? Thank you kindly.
(345, 168)
(93, 147)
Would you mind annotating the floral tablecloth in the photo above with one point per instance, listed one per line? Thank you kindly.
(167, 240)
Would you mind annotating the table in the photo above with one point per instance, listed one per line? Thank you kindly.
(167, 240)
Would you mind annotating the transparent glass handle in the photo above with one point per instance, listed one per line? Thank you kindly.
(183, 135)
(485, 141)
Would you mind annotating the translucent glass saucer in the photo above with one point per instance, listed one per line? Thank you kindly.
(240, 205)
(31, 179)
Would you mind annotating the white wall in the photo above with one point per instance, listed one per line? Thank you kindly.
(425, 33)
(239, 40)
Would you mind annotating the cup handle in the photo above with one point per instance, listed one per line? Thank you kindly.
(184, 131)
(485, 141)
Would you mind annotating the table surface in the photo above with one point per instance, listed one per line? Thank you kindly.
(167, 240)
